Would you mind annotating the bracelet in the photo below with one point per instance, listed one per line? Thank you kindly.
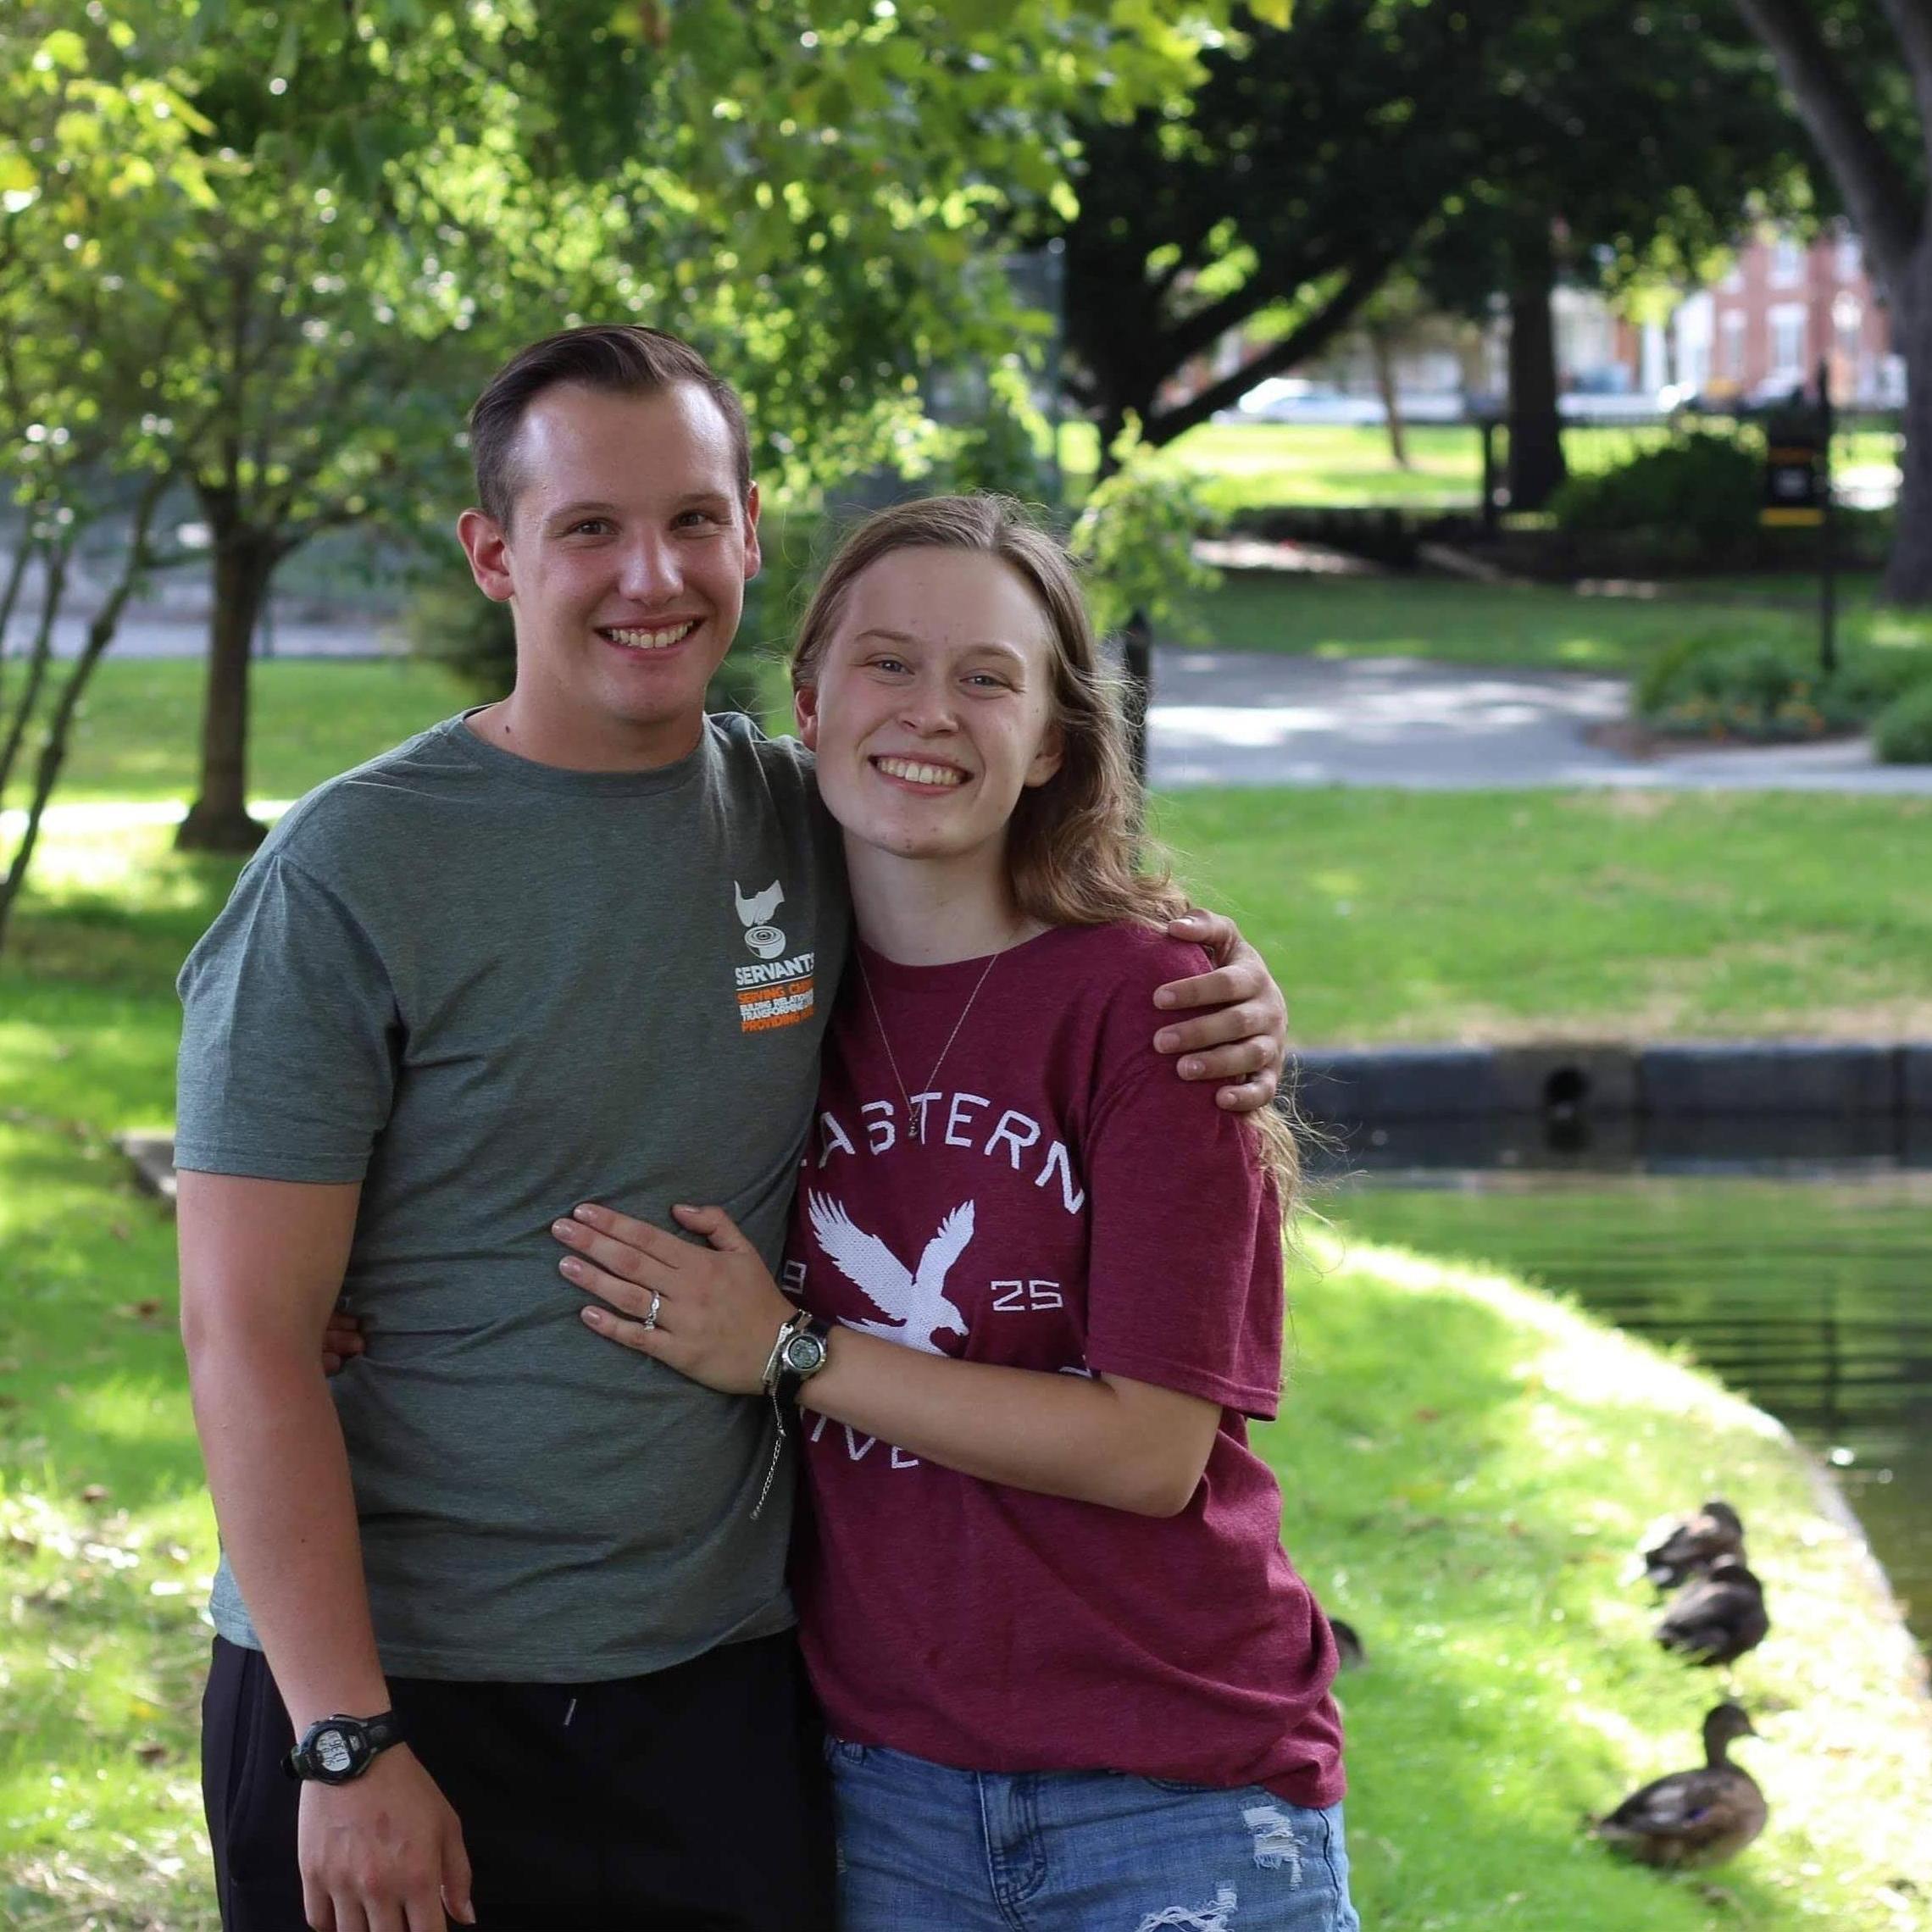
(769, 1380)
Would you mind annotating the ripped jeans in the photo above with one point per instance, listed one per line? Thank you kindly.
(923, 1848)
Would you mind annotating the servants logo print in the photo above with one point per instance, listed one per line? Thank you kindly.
(777, 991)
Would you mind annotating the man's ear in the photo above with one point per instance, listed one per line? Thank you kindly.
(754, 557)
(488, 549)
(805, 710)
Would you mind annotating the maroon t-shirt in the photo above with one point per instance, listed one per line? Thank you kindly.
(1074, 1207)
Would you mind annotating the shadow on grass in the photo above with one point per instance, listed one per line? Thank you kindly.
(93, 1394)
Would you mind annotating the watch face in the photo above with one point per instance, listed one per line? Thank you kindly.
(332, 1752)
(804, 1354)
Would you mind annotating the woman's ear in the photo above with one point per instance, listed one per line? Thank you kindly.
(805, 710)
(1049, 757)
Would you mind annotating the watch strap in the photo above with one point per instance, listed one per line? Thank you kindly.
(382, 1731)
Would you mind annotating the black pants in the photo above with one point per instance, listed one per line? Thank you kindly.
(692, 1800)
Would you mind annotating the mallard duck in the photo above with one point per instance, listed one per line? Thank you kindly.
(1348, 1645)
(1693, 1818)
(1718, 1618)
(1683, 1548)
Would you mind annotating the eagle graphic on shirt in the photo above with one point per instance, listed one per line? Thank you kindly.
(915, 1303)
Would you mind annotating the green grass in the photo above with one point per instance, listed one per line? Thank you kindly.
(1467, 1497)
(1429, 916)
(311, 718)
(1529, 624)
(1264, 466)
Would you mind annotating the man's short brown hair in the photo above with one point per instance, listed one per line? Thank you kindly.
(620, 357)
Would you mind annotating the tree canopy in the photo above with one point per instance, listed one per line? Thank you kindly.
(1456, 139)
(313, 228)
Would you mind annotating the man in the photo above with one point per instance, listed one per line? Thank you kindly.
(579, 944)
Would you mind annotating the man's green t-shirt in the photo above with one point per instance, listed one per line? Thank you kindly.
(489, 989)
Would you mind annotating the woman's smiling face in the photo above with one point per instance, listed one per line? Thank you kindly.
(932, 709)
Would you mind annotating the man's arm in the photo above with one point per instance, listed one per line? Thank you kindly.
(262, 1263)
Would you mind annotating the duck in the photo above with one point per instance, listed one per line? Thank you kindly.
(1693, 1818)
(1718, 1618)
(1692, 1544)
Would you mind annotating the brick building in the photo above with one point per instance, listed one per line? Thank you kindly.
(1785, 304)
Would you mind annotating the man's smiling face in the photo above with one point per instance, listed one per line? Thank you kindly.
(624, 562)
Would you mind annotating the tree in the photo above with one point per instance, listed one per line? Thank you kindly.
(89, 175)
(1400, 318)
(1616, 140)
(1860, 76)
(1314, 159)
(1274, 201)
(392, 194)
(397, 191)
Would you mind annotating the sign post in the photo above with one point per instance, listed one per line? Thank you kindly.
(1797, 494)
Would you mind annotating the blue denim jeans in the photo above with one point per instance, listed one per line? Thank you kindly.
(922, 1848)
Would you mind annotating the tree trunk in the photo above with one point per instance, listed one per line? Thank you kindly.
(245, 560)
(1536, 463)
(1891, 213)
(67, 707)
(54, 555)
(1908, 570)
(1391, 397)
(16, 577)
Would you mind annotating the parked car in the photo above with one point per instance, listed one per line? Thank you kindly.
(1299, 399)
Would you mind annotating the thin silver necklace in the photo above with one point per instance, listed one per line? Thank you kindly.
(915, 1123)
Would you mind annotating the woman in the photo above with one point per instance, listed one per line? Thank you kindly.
(1034, 1293)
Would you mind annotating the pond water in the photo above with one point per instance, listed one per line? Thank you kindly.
(1811, 1293)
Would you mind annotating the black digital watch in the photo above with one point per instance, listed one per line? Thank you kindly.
(333, 1750)
(800, 1355)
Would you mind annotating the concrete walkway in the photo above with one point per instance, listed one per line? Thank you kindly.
(1230, 717)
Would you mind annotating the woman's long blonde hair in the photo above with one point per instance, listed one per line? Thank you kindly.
(1074, 852)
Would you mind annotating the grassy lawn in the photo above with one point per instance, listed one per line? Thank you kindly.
(1529, 624)
(1500, 915)
(1469, 1497)
(1388, 915)
(312, 718)
(1259, 465)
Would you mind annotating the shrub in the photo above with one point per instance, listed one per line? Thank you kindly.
(1724, 685)
(1870, 676)
(1703, 488)
(1903, 731)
